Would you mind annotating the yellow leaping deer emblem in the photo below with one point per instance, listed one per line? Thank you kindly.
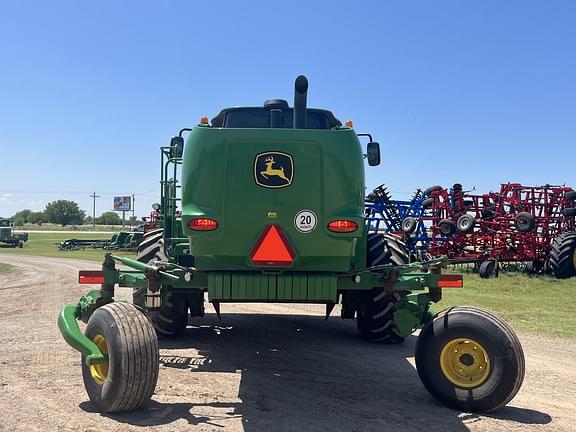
(271, 172)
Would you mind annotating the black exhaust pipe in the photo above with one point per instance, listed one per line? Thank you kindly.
(300, 94)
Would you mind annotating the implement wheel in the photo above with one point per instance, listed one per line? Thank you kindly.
(470, 359)
(375, 314)
(563, 255)
(465, 223)
(524, 221)
(447, 227)
(409, 225)
(432, 189)
(128, 379)
(488, 269)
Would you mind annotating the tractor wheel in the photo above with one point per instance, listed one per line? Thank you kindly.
(432, 189)
(465, 223)
(375, 315)
(386, 249)
(128, 379)
(172, 318)
(524, 221)
(20, 244)
(571, 195)
(161, 254)
(470, 359)
(569, 211)
(447, 227)
(563, 255)
(399, 254)
(428, 203)
(488, 269)
(409, 225)
(150, 245)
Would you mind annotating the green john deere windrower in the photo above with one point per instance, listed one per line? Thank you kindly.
(271, 209)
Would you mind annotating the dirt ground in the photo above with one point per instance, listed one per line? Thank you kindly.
(262, 368)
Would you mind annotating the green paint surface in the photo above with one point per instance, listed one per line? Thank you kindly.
(219, 180)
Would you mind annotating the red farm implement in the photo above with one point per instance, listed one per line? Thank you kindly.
(517, 224)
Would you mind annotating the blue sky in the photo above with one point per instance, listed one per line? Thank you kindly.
(455, 91)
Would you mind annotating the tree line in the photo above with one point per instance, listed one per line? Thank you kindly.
(64, 212)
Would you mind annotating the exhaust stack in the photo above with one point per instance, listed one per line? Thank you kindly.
(300, 94)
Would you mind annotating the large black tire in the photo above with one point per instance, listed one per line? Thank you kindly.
(563, 255)
(127, 381)
(399, 254)
(569, 211)
(571, 195)
(375, 314)
(470, 359)
(172, 318)
(150, 245)
(161, 253)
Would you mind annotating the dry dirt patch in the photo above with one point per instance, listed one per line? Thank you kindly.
(262, 368)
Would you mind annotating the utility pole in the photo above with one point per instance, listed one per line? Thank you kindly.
(94, 196)
(133, 201)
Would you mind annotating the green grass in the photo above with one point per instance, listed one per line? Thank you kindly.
(534, 304)
(45, 244)
(56, 227)
(5, 268)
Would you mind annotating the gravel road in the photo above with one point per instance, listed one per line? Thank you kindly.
(265, 367)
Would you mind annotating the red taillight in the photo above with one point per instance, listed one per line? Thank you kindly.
(202, 224)
(342, 226)
(90, 277)
(450, 281)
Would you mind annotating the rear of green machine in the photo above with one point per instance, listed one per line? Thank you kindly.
(270, 208)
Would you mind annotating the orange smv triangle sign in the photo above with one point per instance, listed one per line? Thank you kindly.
(272, 249)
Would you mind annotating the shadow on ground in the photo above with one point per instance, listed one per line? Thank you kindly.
(300, 373)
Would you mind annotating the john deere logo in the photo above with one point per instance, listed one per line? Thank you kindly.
(273, 169)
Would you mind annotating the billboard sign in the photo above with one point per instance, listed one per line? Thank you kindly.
(122, 203)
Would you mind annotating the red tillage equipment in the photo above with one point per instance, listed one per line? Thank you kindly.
(517, 224)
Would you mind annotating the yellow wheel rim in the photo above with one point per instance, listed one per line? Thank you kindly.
(465, 363)
(574, 259)
(99, 371)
